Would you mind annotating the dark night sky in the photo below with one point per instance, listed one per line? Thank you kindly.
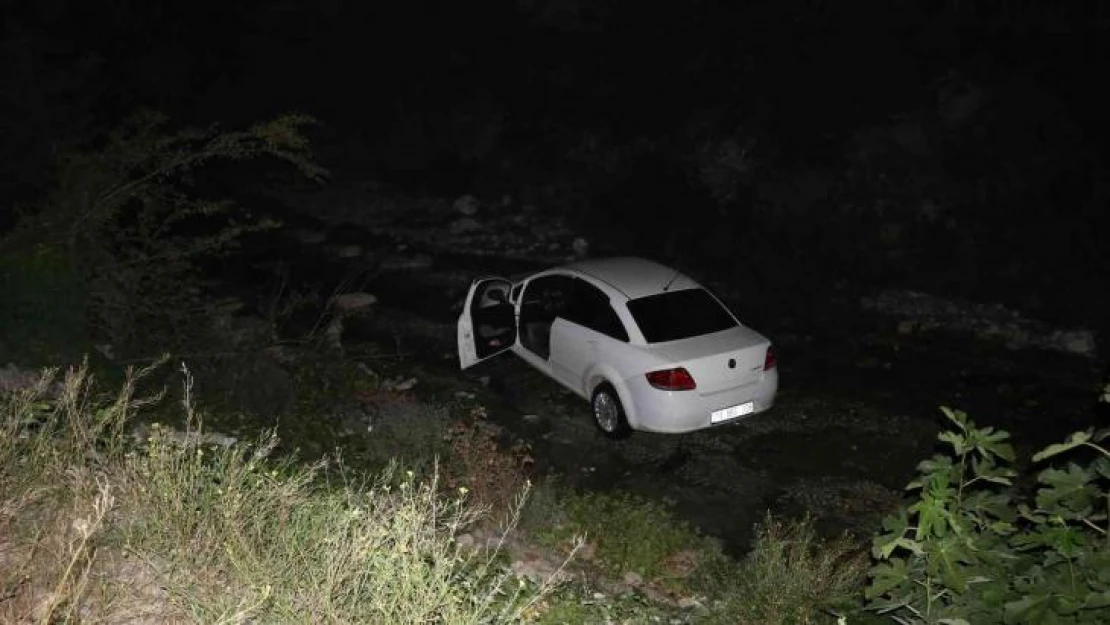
(445, 93)
(802, 70)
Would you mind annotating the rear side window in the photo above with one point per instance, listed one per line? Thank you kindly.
(679, 315)
(590, 307)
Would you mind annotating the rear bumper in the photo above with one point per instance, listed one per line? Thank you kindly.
(675, 412)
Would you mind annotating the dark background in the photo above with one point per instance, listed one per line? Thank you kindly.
(955, 147)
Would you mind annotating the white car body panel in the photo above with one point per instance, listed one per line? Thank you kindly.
(727, 366)
(574, 349)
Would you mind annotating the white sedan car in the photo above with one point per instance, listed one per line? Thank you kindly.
(649, 348)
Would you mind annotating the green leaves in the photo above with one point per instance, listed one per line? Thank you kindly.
(987, 442)
(1075, 440)
(985, 469)
(1067, 493)
(967, 550)
(888, 576)
(932, 515)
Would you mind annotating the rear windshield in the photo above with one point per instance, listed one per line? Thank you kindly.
(679, 314)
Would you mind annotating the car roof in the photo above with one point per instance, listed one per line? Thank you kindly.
(631, 276)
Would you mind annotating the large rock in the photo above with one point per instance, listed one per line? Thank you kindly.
(240, 332)
(1078, 341)
(919, 312)
(143, 434)
(253, 383)
(14, 379)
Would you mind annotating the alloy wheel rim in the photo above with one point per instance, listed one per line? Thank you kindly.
(605, 411)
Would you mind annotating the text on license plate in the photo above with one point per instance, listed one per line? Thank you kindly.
(732, 412)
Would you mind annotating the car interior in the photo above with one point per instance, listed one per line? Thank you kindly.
(544, 299)
(493, 318)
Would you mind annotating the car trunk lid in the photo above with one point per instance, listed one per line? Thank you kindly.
(719, 361)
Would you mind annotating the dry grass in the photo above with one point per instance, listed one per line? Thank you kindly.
(491, 474)
(792, 576)
(95, 528)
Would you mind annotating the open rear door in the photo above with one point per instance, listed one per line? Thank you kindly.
(487, 325)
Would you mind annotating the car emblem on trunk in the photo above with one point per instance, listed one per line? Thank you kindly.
(731, 363)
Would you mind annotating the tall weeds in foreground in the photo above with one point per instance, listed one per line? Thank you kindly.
(96, 528)
(792, 576)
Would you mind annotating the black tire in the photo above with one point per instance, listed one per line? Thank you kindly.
(608, 413)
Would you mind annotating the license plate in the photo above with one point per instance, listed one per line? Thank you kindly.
(732, 412)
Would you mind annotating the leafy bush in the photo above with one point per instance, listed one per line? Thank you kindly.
(96, 528)
(127, 216)
(974, 549)
(42, 307)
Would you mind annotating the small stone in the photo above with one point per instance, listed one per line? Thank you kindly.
(464, 540)
(405, 385)
(229, 306)
(282, 354)
(215, 438)
(348, 251)
(686, 603)
(484, 380)
(581, 247)
(466, 205)
(531, 418)
(309, 237)
(681, 564)
(632, 578)
(406, 263)
(357, 301)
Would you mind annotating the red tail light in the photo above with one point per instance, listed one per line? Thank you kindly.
(672, 380)
(769, 361)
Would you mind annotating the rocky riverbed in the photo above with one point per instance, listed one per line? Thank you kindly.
(860, 390)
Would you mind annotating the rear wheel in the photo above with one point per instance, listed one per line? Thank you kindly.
(609, 413)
